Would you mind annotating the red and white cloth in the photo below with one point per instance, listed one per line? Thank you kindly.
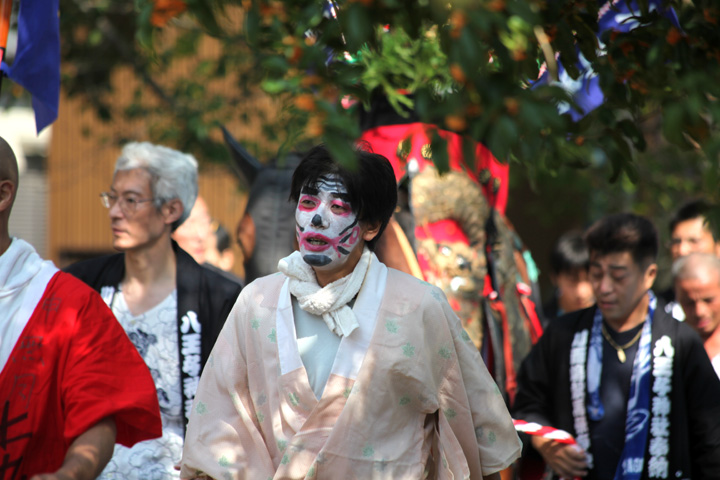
(533, 428)
(68, 366)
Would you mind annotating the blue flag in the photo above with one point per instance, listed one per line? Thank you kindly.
(617, 15)
(37, 61)
(585, 91)
(622, 15)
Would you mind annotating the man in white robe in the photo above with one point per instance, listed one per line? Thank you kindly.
(338, 367)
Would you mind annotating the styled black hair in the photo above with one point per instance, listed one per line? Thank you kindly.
(624, 232)
(372, 189)
(691, 210)
(570, 253)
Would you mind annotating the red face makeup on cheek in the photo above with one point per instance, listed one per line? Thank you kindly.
(327, 228)
(341, 208)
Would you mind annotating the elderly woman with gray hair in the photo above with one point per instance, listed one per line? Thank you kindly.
(171, 308)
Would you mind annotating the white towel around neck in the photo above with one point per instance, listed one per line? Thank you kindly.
(331, 301)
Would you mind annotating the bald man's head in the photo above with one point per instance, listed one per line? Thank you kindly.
(696, 265)
(697, 290)
(8, 189)
(8, 163)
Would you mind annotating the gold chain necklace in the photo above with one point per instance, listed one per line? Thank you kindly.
(620, 348)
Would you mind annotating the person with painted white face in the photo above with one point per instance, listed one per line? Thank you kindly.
(339, 367)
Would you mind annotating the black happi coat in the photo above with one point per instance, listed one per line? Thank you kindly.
(543, 394)
(210, 295)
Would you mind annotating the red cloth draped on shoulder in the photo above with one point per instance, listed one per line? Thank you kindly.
(72, 366)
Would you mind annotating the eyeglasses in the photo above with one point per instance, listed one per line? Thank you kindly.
(128, 204)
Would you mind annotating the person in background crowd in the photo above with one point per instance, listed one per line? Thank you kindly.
(338, 367)
(171, 308)
(219, 254)
(689, 232)
(569, 263)
(193, 235)
(71, 383)
(632, 385)
(197, 237)
(219, 251)
(697, 290)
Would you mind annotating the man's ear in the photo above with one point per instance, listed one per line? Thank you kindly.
(172, 210)
(7, 194)
(371, 231)
(650, 275)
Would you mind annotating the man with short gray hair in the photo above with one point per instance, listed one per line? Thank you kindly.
(171, 307)
(697, 290)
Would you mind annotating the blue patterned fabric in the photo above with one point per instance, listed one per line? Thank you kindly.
(637, 421)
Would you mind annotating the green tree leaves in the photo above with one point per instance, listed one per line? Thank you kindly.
(464, 66)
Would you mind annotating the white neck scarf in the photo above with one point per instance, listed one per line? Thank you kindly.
(18, 265)
(23, 279)
(331, 301)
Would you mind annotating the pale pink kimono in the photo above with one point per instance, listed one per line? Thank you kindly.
(408, 396)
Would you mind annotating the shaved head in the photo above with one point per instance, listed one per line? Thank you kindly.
(8, 163)
(697, 290)
(696, 265)
(8, 188)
